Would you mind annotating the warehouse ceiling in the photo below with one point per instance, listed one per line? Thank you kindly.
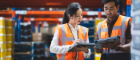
(50, 3)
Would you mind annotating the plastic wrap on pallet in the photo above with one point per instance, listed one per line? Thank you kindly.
(39, 51)
(135, 30)
(135, 57)
(136, 22)
(39, 57)
(39, 45)
(135, 5)
(22, 56)
(23, 47)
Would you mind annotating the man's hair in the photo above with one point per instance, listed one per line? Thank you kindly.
(106, 1)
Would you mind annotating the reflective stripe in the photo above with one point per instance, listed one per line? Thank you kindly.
(114, 51)
(64, 38)
(84, 31)
(105, 51)
(62, 57)
(123, 30)
(99, 29)
(63, 31)
(117, 27)
(104, 30)
(114, 28)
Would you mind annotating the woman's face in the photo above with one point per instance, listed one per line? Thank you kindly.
(77, 18)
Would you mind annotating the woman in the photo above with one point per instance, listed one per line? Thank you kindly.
(69, 34)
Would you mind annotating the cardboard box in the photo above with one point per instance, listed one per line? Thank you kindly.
(37, 34)
(48, 30)
(44, 30)
(37, 37)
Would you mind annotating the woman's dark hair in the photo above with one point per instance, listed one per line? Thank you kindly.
(71, 9)
(107, 1)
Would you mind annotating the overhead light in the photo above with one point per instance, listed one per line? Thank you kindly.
(42, 8)
(86, 9)
(28, 8)
(50, 9)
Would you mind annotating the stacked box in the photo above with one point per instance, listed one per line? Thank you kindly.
(39, 51)
(37, 37)
(23, 56)
(26, 34)
(23, 51)
(10, 38)
(135, 31)
(49, 30)
(3, 41)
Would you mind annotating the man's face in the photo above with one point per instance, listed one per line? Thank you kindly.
(110, 9)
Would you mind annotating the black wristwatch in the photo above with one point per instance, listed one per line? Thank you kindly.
(118, 48)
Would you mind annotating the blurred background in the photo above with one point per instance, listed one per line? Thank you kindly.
(27, 26)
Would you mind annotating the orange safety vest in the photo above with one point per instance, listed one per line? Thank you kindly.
(119, 28)
(66, 38)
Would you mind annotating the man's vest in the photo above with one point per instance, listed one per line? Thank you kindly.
(119, 28)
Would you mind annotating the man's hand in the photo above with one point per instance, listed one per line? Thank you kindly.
(109, 44)
(98, 50)
(81, 48)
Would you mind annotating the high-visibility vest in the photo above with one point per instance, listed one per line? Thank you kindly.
(66, 38)
(119, 28)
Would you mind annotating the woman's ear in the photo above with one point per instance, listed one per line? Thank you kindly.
(69, 16)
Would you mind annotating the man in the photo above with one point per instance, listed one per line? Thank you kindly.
(114, 25)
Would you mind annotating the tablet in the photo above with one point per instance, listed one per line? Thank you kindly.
(81, 44)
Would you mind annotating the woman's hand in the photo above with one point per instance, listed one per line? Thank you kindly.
(75, 42)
